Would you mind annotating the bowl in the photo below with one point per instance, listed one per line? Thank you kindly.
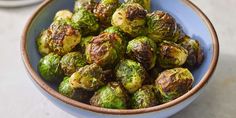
(189, 16)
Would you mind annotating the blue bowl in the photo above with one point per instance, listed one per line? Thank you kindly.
(191, 18)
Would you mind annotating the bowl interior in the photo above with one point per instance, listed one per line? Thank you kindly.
(192, 24)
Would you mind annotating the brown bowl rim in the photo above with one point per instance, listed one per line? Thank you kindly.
(35, 77)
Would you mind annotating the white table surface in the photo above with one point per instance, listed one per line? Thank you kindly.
(19, 98)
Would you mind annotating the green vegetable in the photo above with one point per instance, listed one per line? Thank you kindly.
(131, 19)
(89, 77)
(145, 3)
(105, 49)
(172, 55)
(77, 94)
(174, 83)
(104, 11)
(43, 43)
(195, 52)
(88, 5)
(143, 98)
(71, 62)
(131, 74)
(64, 37)
(111, 96)
(85, 21)
(49, 68)
(162, 26)
(63, 15)
(143, 50)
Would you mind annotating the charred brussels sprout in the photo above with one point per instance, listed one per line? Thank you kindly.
(63, 15)
(131, 74)
(64, 37)
(143, 98)
(89, 77)
(143, 50)
(49, 68)
(71, 62)
(195, 52)
(173, 83)
(145, 3)
(111, 96)
(162, 26)
(105, 49)
(172, 55)
(43, 43)
(88, 5)
(77, 94)
(85, 21)
(130, 18)
(104, 11)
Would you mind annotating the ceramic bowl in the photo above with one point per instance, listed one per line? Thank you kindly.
(190, 17)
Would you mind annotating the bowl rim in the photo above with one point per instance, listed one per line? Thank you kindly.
(36, 78)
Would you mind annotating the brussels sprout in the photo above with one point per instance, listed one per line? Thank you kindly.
(104, 11)
(89, 77)
(104, 50)
(43, 43)
(143, 50)
(172, 55)
(71, 62)
(131, 74)
(111, 96)
(77, 94)
(85, 4)
(85, 21)
(49, 68)
(130, 18)
(173, 83)
(162, 26)
(143, 98)
(145, 3)
(195, 52)
(64, 37)
(63, 15)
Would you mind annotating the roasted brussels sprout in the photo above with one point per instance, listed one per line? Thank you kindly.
(111, 96)
(172, 55)
(89, 77)
(77, 94)
(195, 52)
(131, 74)
(104, 11)
(104, 50)
(85, 4)
(143, 98)
(43, 43)
(72, 62)
(130, 18)
(63, 15)
(173, 83)
(145, 3)
(143, 50)
(85, 21)
(64, 37)
(49, 68)
(162, 26)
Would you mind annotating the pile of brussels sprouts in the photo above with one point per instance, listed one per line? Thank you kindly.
(118, 55)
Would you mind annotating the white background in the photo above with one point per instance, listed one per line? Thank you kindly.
(19, 98)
